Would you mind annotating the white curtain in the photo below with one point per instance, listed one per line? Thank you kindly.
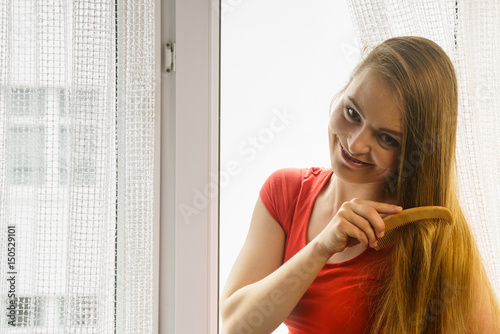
(76, 157)
(469, 31)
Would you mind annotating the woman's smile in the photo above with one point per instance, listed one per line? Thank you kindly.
(351, 160)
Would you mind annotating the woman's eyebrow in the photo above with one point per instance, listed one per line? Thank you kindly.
(392, 132)
(358, 109)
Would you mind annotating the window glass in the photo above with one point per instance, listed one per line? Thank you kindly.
(281, 64)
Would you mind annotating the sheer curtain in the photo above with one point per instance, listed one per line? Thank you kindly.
(76, 153)
(469, 31)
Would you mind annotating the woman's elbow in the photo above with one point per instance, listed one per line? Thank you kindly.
(226, 314)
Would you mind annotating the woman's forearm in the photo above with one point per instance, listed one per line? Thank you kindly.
(262, 306)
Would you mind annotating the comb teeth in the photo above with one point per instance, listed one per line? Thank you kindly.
(411, 216)
(388, 238)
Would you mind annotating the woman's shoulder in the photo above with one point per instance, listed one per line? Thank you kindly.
(291, 180)
(300, 174)
(283, 188)
(316, 172)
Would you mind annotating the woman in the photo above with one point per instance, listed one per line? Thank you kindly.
(309, 260)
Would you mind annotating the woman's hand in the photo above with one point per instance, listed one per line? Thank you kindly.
(356, 221)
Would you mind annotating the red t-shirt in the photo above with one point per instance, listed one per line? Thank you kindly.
(340, 300)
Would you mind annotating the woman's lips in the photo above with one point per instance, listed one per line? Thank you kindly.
(350, 159)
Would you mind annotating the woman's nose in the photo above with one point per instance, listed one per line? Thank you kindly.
(359, 142)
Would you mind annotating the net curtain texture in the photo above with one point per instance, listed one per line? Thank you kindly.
(76, 155)
(469, 32)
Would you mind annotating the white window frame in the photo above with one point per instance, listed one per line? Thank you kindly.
(157, 170)
(188, 244)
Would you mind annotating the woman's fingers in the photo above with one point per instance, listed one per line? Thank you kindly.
(365, 215)
(357, 220)
(372, 211)
(379, 206)
(358, 227)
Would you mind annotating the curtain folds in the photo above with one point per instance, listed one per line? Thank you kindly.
(76, 166)
(136, 103)
(469, 31)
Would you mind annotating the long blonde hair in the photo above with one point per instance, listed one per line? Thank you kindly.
(436, 270)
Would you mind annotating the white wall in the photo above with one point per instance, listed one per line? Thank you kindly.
(281, 63)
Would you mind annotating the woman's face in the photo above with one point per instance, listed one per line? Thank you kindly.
(365, 125)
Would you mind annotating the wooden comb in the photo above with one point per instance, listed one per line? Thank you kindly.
(410, 216)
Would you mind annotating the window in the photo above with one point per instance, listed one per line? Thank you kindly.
(277, 82)
(77, 110)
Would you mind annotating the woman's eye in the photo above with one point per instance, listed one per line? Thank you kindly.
(352, 114)
(389, 140)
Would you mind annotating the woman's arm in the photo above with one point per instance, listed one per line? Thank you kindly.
(261, 292)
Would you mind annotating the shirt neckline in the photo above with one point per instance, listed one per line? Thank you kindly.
(309, 212)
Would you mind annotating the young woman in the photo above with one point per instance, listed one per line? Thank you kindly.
(309, 261)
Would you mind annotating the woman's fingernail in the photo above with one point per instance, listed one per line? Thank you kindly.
(375, 244)
(381, 234)
(398, 208)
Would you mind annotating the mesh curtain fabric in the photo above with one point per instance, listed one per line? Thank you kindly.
(469, 31)
(76, 166)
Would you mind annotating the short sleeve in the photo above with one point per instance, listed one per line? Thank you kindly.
(279, 194)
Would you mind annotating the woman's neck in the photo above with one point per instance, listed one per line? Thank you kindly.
(341, 191)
